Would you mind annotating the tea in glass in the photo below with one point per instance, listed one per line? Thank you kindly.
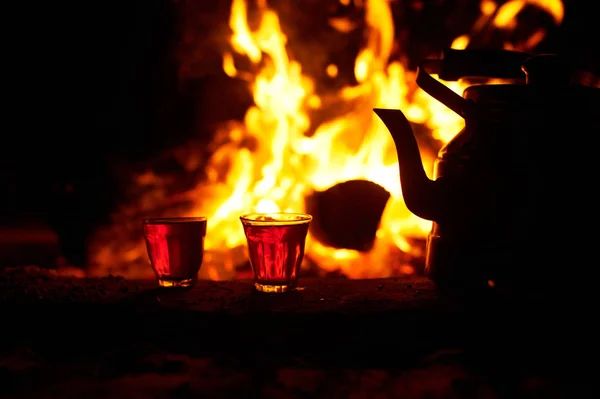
(276, 247)
(175, 248)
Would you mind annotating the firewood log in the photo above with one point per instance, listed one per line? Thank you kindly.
(347, 215)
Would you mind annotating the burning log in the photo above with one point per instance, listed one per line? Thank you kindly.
(347, 215)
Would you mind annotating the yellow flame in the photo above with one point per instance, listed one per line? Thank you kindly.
(241, 40)
(269, 163)
(288, 165)
(460, 43)
(505, 18)
(487, 7)
(332, 70)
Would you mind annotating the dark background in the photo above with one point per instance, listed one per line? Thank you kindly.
(99, 88)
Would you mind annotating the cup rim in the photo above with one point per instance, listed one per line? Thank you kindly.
(172, 220)
(277, 218)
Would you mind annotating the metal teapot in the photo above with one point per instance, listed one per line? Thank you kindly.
(513, 196)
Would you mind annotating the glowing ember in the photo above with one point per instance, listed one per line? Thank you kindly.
(286, 165)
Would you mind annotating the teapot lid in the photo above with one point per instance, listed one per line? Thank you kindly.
(548, 78)
(526, 95)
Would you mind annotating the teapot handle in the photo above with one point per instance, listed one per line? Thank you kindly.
(438, 90)
(456, 64)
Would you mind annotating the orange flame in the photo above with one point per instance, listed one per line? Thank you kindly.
(286, 164)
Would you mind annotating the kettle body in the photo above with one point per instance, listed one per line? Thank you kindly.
(514, 191)
(519, 184)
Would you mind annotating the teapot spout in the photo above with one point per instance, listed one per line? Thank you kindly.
(421, 194)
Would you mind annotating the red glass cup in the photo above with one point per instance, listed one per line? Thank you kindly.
(275, 248)
(175, 248)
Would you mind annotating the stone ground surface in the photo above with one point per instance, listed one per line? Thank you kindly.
(335, 338)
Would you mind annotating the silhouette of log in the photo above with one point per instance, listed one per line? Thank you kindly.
(347, 214)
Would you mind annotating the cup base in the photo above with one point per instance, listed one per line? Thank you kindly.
(273, 288)
(171, 283)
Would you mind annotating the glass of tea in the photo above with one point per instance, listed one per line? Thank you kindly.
(275, 248)
(175, 248)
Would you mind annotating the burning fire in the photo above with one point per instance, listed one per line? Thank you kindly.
(287, 163)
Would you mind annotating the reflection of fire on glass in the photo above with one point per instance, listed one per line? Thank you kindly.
(175, 248)
(276, 248)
